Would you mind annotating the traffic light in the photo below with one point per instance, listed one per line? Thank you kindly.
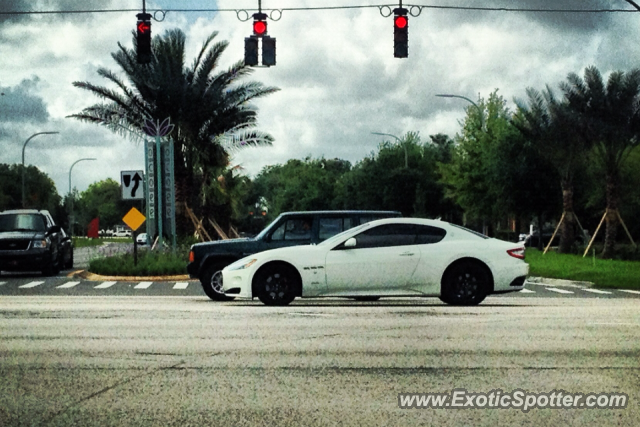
(268, 51)
(400, 33)
(259, 27)
(260, 39)
(259, 24)
(251, 50)
(143, 38)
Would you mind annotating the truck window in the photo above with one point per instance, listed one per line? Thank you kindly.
(298, 229)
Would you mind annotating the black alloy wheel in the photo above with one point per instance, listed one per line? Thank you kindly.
(466, 283)
(276, 285)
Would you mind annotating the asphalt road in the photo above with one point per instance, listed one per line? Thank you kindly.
(102, 360)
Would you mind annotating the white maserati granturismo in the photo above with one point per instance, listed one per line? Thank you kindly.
(384, 258)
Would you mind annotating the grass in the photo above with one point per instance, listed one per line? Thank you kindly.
(150, 263)
(605, 273)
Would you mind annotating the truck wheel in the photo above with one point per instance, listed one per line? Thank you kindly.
(212, 282)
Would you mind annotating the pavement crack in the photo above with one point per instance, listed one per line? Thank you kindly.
(109, 388)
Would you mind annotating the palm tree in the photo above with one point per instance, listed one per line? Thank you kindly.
(549, 124)
(211, 110)
(609, 120)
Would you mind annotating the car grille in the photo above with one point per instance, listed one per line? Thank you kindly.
(14, 245)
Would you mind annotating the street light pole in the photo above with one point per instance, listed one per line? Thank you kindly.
(70, 196)
(406, 156)
(23, 147)
(634, 4)
(446, 95)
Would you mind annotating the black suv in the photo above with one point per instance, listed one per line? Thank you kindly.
(30, 241)
(206, 260)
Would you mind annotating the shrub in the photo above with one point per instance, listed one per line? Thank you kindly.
(150, 263)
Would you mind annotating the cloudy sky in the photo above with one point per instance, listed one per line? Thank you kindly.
(338, 78)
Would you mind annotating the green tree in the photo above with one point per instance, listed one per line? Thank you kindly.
(548, 124)
(40, 190)
(494, 173)
(307, 184)
(211, 110)
(103, 200)
(608, 118)
(383, 180)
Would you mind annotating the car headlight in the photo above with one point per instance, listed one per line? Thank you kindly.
(40, 244)
(242, 264)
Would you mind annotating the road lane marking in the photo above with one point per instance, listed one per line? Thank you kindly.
(31, 285)
(560, 291)
(629, 291)
(142, 285)
(68, 285)
(597, 291)
(181, 285)
(527, 291)
(105, 285)
(3, 283)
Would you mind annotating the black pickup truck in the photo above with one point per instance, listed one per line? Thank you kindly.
(206, 260)
(31, 241)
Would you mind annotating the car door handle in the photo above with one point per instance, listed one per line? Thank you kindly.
(407, 254)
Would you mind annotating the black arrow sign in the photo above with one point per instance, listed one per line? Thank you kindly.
(136, 180)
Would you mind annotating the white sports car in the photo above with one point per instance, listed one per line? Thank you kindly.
(384, 258)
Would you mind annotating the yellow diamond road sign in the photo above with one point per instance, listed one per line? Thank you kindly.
(134, 219)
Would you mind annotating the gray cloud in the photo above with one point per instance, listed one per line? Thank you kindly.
(19, 104)
(569, 22)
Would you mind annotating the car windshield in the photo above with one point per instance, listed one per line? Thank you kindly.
(22, 222)
(339, 236)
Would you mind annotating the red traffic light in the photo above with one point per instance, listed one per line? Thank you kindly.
(259, 28)
(400, 21)
(143, 27)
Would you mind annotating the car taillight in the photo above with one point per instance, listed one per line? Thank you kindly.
(516, 253)
(192, 257)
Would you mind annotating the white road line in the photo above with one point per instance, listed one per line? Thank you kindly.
(31, 285)
(597, 291)
(142, 285)
(181, 285)
(560, 291)
(3, 283)
(527, 291)
(104, 285)
(68, 285)
(629, 291)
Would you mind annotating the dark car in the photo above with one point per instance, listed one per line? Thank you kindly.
(206, 260)
(30, 241)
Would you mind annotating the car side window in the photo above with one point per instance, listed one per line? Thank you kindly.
(295, 229)
(329, 227)
(387, 235)
(427, 234)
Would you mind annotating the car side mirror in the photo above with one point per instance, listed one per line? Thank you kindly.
(53, 229)
(350, 243)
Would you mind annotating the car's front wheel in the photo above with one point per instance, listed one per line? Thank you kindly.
(212, 282)
(465, 283)
(276, 284)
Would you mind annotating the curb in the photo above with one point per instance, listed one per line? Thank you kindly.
(559, 282)
(83, 274)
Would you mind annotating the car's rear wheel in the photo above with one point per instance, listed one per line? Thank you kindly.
(212, 282)
(276, 284)
(465, 283)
